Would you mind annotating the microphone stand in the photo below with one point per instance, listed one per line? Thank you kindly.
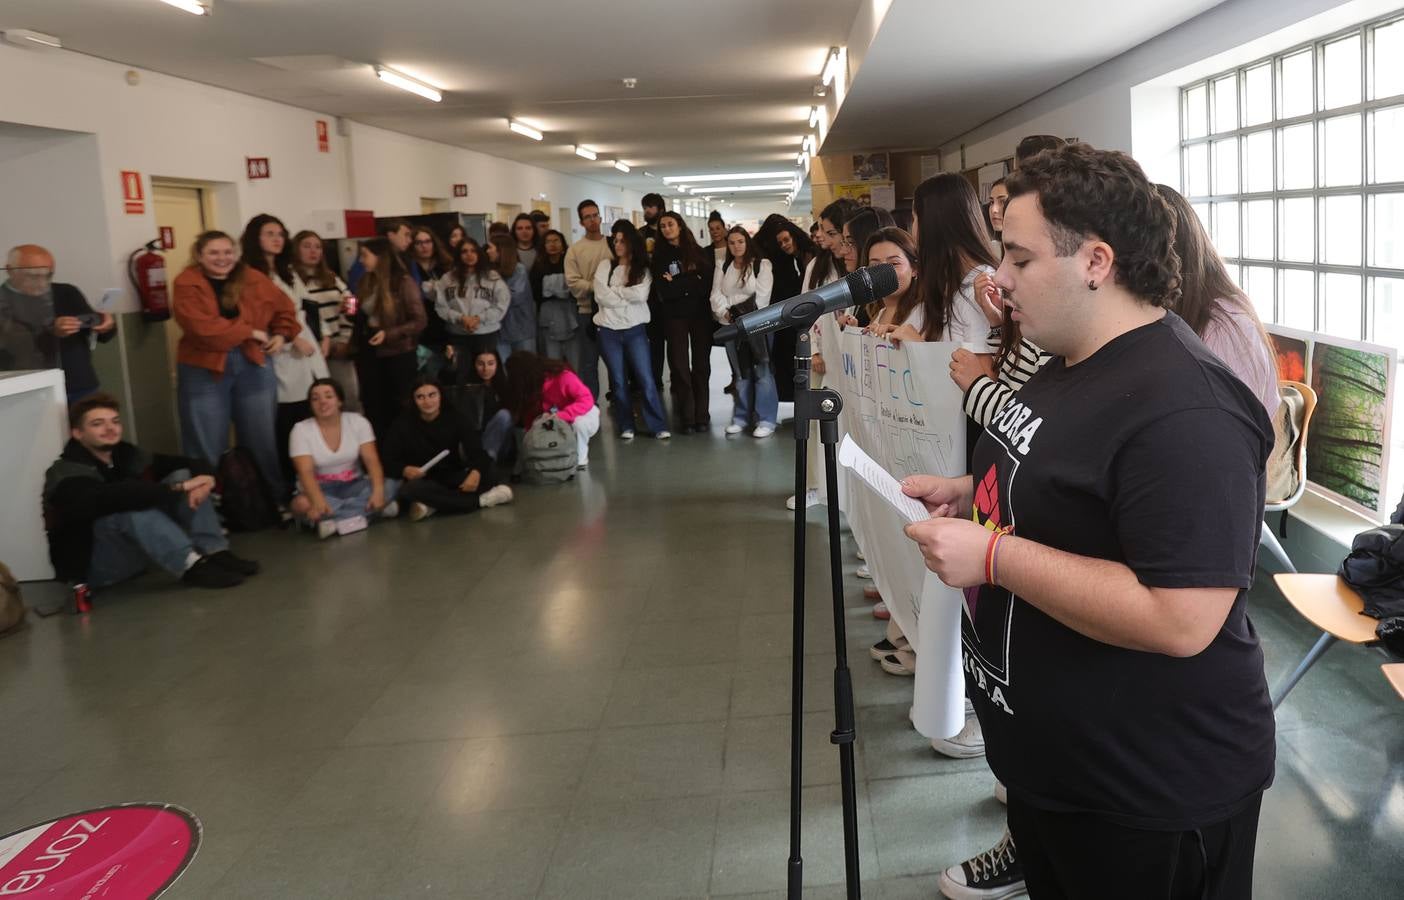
(820, 405)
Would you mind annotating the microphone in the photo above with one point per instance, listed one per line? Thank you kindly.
(802, 310)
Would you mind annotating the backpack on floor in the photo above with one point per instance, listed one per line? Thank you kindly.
(245, 500)
(548, 454)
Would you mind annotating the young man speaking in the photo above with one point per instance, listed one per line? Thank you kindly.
(1116, 506)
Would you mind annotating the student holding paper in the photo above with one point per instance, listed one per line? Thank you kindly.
(1111, 525)
(439, 455)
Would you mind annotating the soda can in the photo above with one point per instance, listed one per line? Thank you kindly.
(82, 599)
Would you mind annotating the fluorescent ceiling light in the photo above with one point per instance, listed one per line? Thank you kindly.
(585, 152)
(621, 167)
(831, 67)
(194, 7)
(525, 130)
(814, 117)
(742, 176)
(648, 174)
(405, 83)
(23, 38)
(740, 188)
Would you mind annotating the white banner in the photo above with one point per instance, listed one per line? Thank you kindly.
(901, 407)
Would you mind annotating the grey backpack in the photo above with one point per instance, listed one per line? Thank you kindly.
(548, 453)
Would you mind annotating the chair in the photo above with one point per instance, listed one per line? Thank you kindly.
(1266, 538)
(1395, 673)
(1330, 604)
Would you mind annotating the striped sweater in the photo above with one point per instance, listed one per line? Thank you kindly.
(986, 396)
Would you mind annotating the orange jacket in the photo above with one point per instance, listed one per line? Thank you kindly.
(207, 337)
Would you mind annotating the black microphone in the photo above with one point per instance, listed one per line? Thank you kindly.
(802, 310)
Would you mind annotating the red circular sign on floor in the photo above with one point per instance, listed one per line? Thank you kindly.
(129, 852)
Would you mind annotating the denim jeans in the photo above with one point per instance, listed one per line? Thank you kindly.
(497, 434)
(505, 349)
(626, 354)
(125, 543)
(246, 395)
(756, 394)
(585, 354)
(348, 499)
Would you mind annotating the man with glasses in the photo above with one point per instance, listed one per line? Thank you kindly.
(582, 260)
(46, 324)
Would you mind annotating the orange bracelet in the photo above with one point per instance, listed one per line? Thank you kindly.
(990, 554)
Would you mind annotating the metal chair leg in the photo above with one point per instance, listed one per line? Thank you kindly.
(1322, 644)
(1269, 540)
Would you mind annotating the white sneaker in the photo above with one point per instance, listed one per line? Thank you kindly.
(811, 498)
(627, 435)
(496, 496)
(763, 431)
(326, 528)
(418, 512)
(864, 573)
(733, 428)
(390, 510)
(992, 875)
(663, 435)
(901, 663)
(969, 744)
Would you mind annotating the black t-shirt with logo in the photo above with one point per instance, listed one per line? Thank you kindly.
(1150, 453)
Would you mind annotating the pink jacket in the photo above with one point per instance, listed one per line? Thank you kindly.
(568, 394)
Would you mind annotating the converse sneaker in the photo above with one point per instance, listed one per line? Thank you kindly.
(902, 663)
(663, 435)
(969, 744)
(863, 573)
(495, 496)
(626, 435)
(811, 498)
(763, 431)
(418, 512)
(991, 875)
(885, 648)
(733, 428)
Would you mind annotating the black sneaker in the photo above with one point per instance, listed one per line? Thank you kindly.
(207, 573)
(991, 875)
(236, 564)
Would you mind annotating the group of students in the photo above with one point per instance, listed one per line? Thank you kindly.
(949, 290)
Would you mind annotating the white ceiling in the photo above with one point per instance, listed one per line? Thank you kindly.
(936, 70)
(723, 85)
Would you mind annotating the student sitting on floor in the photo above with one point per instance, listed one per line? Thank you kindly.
(339, 479)
(459, 482)
(111, 508)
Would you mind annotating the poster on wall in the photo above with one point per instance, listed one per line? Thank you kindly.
(1347, 448)
(881, 194)
(870, 167)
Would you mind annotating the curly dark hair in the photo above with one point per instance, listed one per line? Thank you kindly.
(1103, 194)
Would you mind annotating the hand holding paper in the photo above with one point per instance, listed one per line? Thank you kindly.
(877, 478)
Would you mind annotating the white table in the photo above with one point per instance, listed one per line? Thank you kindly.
(33, 430)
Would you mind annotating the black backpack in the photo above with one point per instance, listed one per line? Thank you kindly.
(245, 500)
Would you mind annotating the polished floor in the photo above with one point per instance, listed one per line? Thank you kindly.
(582, 695)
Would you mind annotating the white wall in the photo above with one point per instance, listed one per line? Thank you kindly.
(1097, 105)
(171, 128)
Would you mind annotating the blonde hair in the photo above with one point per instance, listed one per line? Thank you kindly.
(229, 297)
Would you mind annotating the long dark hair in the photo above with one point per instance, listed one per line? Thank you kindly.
(541, 262)
(638, 253)
(442, 259)
(460, 268)
(828, 262)
(252, 254)
(383, 282)
(952, 235)
(526, 375)
(426, 380)
(749, 261)
(912, 297)
(498, 384)
(1207, 292)
(691, 255)
(507, 258)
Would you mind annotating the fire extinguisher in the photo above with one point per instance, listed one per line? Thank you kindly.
(147, 270)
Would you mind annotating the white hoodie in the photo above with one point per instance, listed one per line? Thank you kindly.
(728, 289)
(621, 306)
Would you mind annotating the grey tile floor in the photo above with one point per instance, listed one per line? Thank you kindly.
(581, 695)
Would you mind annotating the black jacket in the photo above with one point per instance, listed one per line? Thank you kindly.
(79, 488)
(688, 295)
(413, 442)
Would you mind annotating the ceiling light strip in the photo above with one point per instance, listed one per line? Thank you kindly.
(194, 7)
(524, 130)
(621, 166)
(742, 176)
(586, 153)
(405, 83)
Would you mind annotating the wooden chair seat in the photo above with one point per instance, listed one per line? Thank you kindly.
(1395, 673)
(1330, 604)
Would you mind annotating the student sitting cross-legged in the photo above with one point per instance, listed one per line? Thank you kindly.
(111, 509)
(340, 483)
(440, 457)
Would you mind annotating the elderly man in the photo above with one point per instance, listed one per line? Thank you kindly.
(44, 323)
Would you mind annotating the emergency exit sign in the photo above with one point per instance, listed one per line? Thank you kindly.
(257, 166)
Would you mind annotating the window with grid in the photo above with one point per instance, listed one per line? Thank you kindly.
(1295, 164)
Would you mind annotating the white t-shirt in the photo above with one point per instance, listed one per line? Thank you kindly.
(306, 440)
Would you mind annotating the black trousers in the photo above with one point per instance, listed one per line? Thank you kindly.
(440, 496)
(385, 387)
(655, 333)
(1078, 856)
(690, 378)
